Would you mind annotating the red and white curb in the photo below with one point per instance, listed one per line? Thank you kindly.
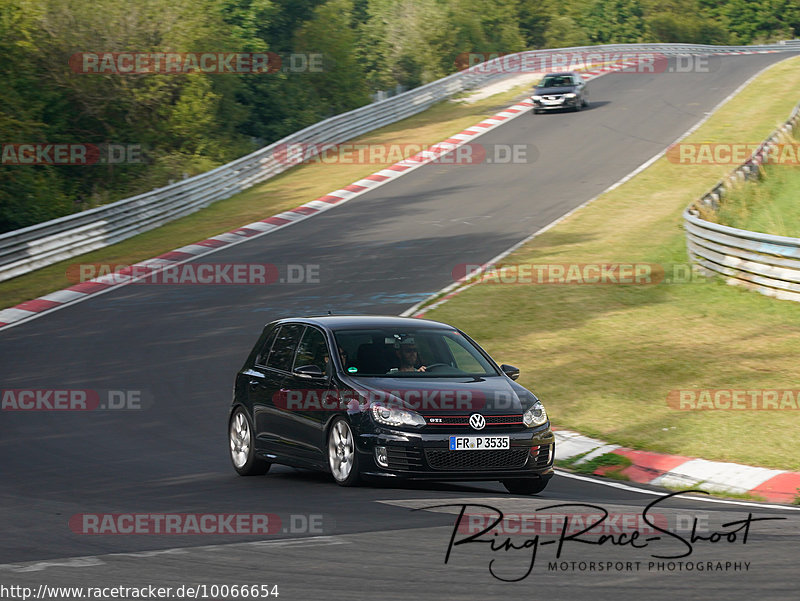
(677, 471)
(54, 301)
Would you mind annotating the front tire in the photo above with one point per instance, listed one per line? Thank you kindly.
(240, 437)
(342, 455)
(526, 486)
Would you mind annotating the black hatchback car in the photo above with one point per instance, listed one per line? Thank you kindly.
(386, 397)
(560, 91)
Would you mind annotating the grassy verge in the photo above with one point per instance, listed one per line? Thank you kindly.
(605, 357)
(713, 493)
(771, 205)
(288, 190)
(608, 464)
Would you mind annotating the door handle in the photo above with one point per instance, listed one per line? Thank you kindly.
(255, 383)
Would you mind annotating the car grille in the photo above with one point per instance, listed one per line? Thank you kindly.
(477, 460)
(401, 458)
(463, 420)
(407, 459)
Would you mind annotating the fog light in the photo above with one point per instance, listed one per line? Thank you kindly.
(380, 456)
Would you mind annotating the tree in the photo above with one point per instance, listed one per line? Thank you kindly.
(564, 32)
(338, 82)
(615, 21)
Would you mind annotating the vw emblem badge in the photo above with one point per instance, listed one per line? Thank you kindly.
(477, 421)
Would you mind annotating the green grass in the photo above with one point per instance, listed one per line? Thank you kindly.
(771, 205)
(604, 358)
(285, 191)
(716, 494)
(566, 463)
(613, 463)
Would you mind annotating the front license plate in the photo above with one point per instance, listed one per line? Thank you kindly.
(479, 443)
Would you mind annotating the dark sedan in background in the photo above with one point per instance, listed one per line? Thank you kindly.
(386, 397)
(560, 91)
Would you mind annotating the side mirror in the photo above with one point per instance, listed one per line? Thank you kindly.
(511, 371)
(309, 371)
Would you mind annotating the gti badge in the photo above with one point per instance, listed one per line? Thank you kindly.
(477, 421)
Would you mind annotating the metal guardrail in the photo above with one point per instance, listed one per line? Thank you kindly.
(33, 247)
(763, 262)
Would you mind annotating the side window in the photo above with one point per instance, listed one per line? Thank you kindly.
(263, 352)
(283, 349)
(312, 350)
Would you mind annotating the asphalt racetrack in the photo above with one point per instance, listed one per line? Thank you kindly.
(379, 253)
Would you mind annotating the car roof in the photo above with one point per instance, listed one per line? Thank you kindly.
(561, 73)
(338, 322)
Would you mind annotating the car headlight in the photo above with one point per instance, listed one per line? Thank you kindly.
(394, 416)
(536, 97)
(535, 416)
(569, 95)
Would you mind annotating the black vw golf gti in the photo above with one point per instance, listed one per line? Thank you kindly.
(386, 397)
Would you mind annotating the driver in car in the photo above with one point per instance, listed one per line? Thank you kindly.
(408, 356)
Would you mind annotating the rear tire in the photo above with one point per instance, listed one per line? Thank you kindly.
(526, 486)
(240, 437)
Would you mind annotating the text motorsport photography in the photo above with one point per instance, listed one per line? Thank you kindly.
(651, 542)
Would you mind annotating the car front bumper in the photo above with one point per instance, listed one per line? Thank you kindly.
(426, 456)
(566, 103)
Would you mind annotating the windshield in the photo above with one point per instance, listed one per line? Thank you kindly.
(388, 352)
(556, 82)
